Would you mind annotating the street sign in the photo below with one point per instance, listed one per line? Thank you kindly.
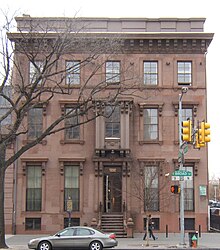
(69, 205)
(181, 178)
(181, 175)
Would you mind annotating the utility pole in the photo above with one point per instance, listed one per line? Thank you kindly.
(181, 161)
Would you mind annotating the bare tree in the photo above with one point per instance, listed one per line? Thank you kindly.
(150, 183)
(20, 91)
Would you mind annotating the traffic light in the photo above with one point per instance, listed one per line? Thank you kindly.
(205, 132)
(198, 141)
(187, 131)
(175, 189)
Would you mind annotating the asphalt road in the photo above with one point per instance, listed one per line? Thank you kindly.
(206, 241)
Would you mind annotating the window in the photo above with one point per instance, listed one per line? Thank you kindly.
(71, 183)
(67, 232)
(187, 113)
(34, 189)
(184, 73)
(150, 73)
(35, 71)
(73, 72)
(113, 72)
(189, 223)
(112, 121)
(32, 223)
(151, 188)
(72, 119)
(73, 222)
(35, 122)
(5, 107)
(150, 124)
(189, 192)
(83, 232)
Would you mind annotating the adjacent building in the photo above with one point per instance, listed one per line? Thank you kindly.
(117, 167)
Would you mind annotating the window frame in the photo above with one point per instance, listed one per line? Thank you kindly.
(75, 201)
(34, 206)
(150, 78)
(184, 76)
(37, 122)
(72, 120)
(189, 192)
(33, 222)
(150, 125)
(154, 197)
(113, 71)
(73, 72)
(113, 122)
(35, 71)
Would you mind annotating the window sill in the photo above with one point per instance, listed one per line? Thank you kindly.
(150, 142)
(72, 142)
(43, 142)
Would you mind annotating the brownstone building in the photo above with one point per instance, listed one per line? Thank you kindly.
(118, 167)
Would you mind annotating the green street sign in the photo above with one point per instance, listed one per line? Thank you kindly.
(181, 173)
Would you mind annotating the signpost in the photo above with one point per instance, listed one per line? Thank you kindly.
(69, 208)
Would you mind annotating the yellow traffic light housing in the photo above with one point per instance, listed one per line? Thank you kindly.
(205, 127)
(198, 141)
(187, 131)
(202, 135)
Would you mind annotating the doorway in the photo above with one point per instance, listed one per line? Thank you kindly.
(112, 189)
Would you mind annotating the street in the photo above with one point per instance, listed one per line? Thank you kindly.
(206, 241)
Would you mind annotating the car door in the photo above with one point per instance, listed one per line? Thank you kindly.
(82, 237)
(64, 239)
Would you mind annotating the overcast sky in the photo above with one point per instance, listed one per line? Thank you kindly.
(148, 9)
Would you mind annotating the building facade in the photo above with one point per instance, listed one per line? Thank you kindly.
(119, 164)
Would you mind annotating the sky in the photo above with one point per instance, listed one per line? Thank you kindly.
(147, 9)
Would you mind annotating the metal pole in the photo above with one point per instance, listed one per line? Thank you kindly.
(182, 234)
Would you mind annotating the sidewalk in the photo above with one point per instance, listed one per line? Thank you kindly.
(206, 241)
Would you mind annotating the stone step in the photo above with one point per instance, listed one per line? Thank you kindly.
(114, 223)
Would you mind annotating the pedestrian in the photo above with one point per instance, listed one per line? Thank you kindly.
(150, 229)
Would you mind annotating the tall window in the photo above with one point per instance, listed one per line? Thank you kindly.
(35, 71)
(72, 119)
(150, 73)
(150, 124)
(151, 188)
(34, 189)
(112, 71)
(112, 121)
(189, 192)
(35, 122)
(73, 72)
(5, 106)
(184, 74)
(71, 186)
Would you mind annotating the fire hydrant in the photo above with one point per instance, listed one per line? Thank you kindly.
(194, 241)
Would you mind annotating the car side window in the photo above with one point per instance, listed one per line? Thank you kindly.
(82, 232)
(66, 232)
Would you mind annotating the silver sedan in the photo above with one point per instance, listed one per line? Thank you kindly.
(75, 237)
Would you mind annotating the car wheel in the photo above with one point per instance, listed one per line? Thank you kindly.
(44, 245)
(95, 245)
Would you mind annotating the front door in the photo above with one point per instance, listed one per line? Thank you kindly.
(112, 189)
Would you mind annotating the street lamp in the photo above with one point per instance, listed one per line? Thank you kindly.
(182, 242)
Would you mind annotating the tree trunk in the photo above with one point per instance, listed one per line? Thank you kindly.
(2, 182)
(147, 232)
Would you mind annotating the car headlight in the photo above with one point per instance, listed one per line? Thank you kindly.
(33, 241)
